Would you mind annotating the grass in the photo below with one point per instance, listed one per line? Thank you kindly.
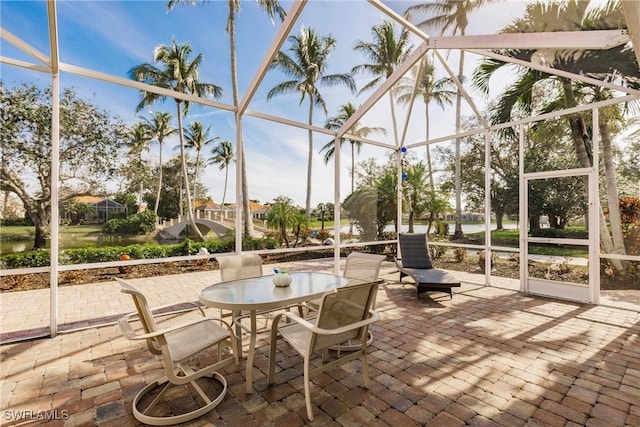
(20, 232)
(511, 238)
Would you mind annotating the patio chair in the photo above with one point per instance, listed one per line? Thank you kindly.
(416, 263)
(184, 352)
(242, 266)
(359, 268)
(344, 314)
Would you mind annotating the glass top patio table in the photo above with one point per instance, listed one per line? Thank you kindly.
(259, 293)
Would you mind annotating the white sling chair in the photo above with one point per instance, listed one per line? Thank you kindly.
(178, 347)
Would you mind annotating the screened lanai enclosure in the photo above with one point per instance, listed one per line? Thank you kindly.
(508, 131)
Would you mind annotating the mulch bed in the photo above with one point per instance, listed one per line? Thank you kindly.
(508, 268)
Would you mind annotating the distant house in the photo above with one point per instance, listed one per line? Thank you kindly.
(98, 209)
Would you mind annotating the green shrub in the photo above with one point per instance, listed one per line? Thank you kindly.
(139, 251)
(139, 223)
(26, 259)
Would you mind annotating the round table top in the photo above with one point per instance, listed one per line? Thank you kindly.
(259, 293)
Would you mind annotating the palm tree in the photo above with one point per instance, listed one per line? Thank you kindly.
(450, 15)
(273, 8)
(282, 215)
(335, 123)
(138, 142)
(386, 53)
(159, 128)
(180, 74)
(567, 94)
(222, 156)
(415, 191)
(197, 137)
(307, 69)
(431, 89)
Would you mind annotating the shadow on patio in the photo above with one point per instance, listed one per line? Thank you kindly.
(488, 357)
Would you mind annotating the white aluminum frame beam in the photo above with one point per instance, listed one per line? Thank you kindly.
(281, 36)
(561, 40)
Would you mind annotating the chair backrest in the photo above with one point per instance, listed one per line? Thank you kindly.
(144, 313)
(241, 266)
(414, 250)
(344, 307)
(363, 267)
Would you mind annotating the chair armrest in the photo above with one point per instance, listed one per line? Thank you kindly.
(374, 317)
(128, 331)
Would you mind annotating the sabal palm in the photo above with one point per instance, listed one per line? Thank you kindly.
(568, 93)
(196, 138)
(222, 156)
(453, 16)
(272, 8)
(160, 128)
(178, 73)
(307, 66)
(385, 53)
(335, 123)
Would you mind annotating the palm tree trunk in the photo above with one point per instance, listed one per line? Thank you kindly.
(611, 182)
(159, 180)
(246, 212)
(307, 209)
(458, 234)
(578, 134)
(195, 178)
(224, 193)
(353, 187)
(186, 177)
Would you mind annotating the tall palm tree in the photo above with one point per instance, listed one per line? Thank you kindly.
(138, 142)
(178, 73)
(222, 156)
(441, 91)
(272, 8)
(196, 138)
(386, 53)
(335, 123)
(307, 67)
(568, 93)
(159, 128)
(453, 15)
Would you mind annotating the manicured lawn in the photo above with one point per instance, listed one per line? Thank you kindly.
(19, 231)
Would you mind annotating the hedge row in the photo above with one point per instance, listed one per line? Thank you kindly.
(140, 251)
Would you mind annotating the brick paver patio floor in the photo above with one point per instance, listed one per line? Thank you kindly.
(488, 357)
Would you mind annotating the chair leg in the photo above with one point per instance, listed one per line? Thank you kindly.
(272, 354)
(307, 388)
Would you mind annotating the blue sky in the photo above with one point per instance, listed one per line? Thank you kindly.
(113, 36)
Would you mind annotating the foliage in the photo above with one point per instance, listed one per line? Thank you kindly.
(140, 251)
(373, 205)
(436, 252)
(307, 67)
(139, 223)
(89, 139)
(460, 254)
(630, 211)
(284, 216)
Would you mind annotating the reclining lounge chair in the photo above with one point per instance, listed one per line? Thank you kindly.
(416, 263)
